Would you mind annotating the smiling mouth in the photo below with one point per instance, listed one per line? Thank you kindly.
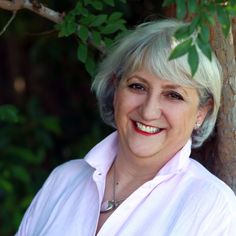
(146, 128)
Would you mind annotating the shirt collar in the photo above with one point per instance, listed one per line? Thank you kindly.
(178, 162)
(103, 154)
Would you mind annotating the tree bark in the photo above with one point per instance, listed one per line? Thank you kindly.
(33, 6)
(225, 163)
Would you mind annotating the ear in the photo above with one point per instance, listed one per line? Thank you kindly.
(203, 111)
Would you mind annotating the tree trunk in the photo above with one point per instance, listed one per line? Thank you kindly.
(225, 163)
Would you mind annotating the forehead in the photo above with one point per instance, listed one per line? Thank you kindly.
(154, 57)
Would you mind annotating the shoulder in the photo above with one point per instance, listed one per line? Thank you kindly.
(54, 194)
(72, 167)
(210, 189)
(68, 172)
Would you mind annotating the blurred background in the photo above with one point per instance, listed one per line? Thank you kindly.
(58, 116)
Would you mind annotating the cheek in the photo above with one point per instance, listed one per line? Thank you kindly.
(119, 105)
(124, 101)
(180, 116)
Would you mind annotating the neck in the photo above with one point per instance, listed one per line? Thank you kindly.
(135, 169)
(141, 167)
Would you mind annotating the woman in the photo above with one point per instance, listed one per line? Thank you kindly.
(140, 179)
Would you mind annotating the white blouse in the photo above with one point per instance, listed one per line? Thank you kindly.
(183, 199)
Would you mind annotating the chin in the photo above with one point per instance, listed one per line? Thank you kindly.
(144, 152)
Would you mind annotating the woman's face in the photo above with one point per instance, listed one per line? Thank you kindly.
(154, 117)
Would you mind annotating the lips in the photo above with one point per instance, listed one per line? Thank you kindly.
(146, 129)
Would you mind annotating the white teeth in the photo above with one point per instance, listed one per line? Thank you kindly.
(147, 129)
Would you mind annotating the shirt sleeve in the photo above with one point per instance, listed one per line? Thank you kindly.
(223, 217)
(24, 228)
(36, 214)
(60, 183)
(31, 216)
(227, 227)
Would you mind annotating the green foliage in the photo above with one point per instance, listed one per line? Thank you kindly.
(23, 148)
(94, 25)
(82, 52)
(9, 113)
(181, 49)
(197, 34)
(193, 59)
(180, 9)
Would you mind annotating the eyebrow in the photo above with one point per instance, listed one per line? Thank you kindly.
(138, 77)
(175, 86)
(167, 86)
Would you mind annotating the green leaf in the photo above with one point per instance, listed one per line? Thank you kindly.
(193, 59)
(87, 20)
(231, 10)
(86, 2)
(21, 153)
(99, 20)
(9, 113)
(194, 24)
(181, 9)
(96, 37)
(209, 18)
(205, 48)
(82, 52)
(182, 32)
(83, 33)
(167, 3)
(224, 19)
(41, 153)
(108, 42)
(192, 6)
(211, 8)
(6, 185)
(98, 5)
(24, 203)
(90, 65)
(68, 26)
(204, 33)
(232, 3)
(80, 10)
(110, 2)
(20, 173)
(181, 49)
(111, 28)
(51, 124)
(115, 16)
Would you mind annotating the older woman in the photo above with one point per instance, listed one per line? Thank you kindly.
(140, 180)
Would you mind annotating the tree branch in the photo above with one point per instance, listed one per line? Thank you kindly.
(8, 23)
(41, 10)
(33, 6)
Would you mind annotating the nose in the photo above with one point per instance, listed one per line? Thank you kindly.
(151, 108)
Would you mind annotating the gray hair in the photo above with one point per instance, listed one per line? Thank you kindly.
(148, 47)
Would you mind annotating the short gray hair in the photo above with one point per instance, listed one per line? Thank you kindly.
(148, 46)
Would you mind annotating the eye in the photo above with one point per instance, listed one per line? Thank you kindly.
(174, 95)
(137, 87)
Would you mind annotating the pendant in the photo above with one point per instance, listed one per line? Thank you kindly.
(107, 206)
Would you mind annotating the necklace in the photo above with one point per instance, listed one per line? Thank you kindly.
(110, 205)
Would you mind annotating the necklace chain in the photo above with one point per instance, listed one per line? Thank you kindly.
(110, 205)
